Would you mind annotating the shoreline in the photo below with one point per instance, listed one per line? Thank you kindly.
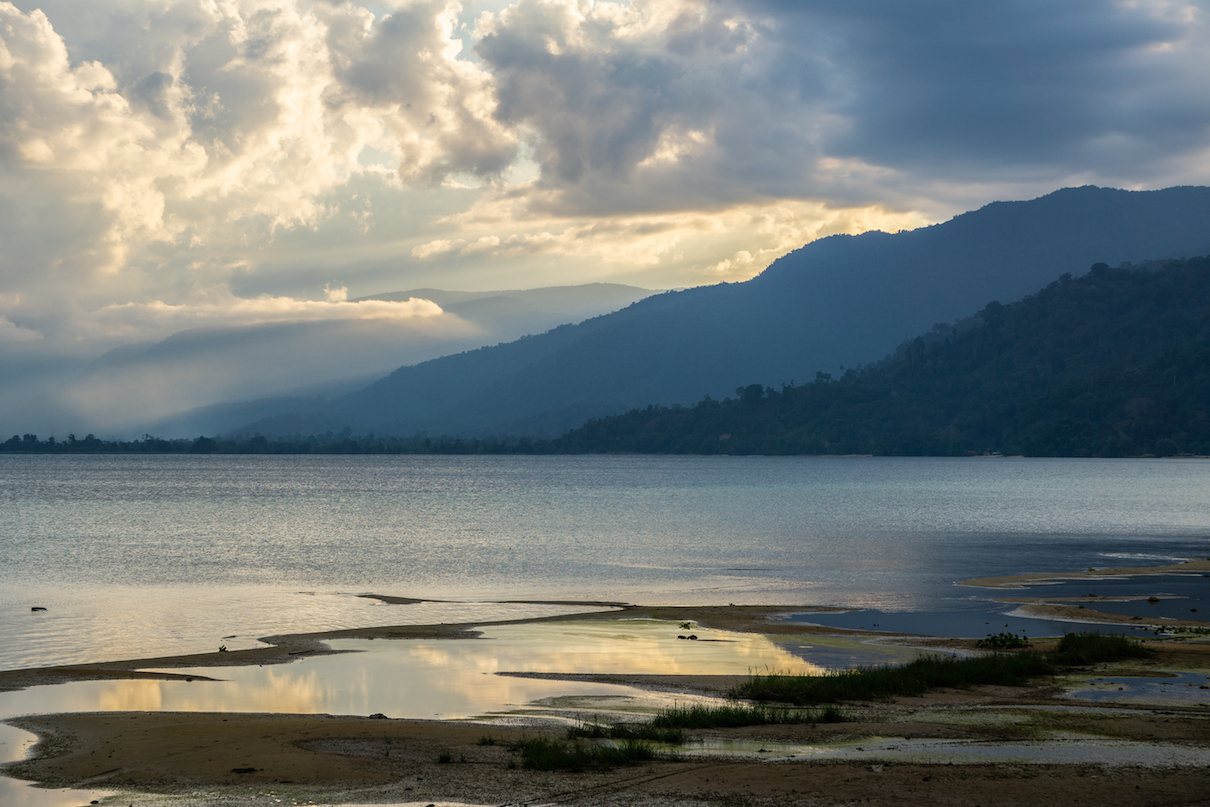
(1201, 565)
(1037, 743)
(1077, 610)
(1031, 744)
(287, 647)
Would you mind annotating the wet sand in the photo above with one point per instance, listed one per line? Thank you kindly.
(1082, 609)
(876, 759)
(336, 759)
(285, 648)
(1199, 565)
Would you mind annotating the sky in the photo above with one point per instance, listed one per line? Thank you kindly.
(173, 165)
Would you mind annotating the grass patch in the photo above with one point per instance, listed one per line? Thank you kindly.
(1082, 649)
(933, 672)
(647, 732)
(546, 754)
(735, 715)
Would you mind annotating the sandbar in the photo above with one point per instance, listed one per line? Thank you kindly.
(1022, 580)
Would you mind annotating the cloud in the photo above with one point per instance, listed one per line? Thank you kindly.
(210, 128)
(218, 308)
(684, 104)
(190, 164)
(431, 248)
(12, 332)
(692, 247)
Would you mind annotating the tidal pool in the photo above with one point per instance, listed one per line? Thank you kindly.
(1164, 689)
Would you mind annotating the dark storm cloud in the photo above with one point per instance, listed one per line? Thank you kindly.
(825, 98)
(950, 83)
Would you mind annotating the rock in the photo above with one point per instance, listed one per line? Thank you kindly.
(378, 716)
(37, 608)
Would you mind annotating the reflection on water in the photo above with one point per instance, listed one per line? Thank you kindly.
(141, 622)
(452, 678)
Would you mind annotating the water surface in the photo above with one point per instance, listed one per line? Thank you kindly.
(139, 556)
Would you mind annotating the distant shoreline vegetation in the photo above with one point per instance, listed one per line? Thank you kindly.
(1115, 363)
(329, 443)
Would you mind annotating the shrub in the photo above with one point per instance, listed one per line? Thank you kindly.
(1082, 649)
(1003, 641)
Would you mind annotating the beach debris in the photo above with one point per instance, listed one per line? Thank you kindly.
(37, 608)
(246, 770)
(222, 648)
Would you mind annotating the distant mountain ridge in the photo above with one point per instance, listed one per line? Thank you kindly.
(838, 301)
(1112, 364)
(321, 361)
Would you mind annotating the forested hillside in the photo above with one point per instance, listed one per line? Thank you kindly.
(1114, 363)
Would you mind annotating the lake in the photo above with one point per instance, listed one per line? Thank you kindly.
(135, 556)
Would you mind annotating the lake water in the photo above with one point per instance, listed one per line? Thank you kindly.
(138, 556)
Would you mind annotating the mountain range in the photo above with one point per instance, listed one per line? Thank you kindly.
(1115, 363)
(835, 303)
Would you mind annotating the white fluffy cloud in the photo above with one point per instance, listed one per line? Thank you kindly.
(212, 128)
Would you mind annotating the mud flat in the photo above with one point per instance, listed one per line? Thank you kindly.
(1085, 609)
(1043, 743)
(1197, 565)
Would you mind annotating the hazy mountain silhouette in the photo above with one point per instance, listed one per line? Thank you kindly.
(838, 301)
(297, 366)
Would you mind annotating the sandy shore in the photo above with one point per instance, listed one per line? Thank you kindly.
(285, 648)
(234, 757)
(1025, 745)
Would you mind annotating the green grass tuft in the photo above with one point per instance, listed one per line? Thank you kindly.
(648, 732)
(932, 672)
(546, 754)
(735, 715)
(882, 683)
